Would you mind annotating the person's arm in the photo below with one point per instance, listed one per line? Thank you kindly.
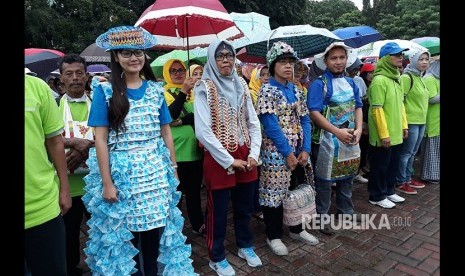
(253, 125)
(176, 106)
(110, 193)
(56, 152)
(304, 155)
(168, 139)
(307, 130)
(273, 131)
(79, 151)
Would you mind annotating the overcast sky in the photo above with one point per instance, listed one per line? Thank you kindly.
(358, 3)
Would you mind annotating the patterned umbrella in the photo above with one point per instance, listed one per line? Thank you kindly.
(186, 24)
(42, 61)
(93, 53)
(430, 42)
(305, 39)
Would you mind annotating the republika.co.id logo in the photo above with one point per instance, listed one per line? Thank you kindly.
(354, 221)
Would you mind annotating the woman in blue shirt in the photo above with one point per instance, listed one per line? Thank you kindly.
(285, 150)
(131, 187)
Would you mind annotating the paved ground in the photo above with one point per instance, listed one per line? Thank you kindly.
(410, 247)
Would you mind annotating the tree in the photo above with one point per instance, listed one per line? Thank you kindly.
(413, 19)
(281, 13)
(329, 14)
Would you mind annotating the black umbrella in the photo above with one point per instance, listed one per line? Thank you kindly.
(42, 63)
(93, 53)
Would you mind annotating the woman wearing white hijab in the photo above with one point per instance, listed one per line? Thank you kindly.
(227, 126)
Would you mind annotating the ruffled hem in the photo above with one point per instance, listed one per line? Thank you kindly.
(109, 249)
(174, 252)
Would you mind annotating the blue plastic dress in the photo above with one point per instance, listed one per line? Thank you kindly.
(141, 170)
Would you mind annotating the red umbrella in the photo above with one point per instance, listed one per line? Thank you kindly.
(41, 61)
(186, 24)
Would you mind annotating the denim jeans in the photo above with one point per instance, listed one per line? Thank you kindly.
(409, 149)
(344, 202)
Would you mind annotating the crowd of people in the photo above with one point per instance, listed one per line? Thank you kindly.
(121, 151)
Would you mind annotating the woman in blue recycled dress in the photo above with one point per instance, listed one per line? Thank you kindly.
(135, 227)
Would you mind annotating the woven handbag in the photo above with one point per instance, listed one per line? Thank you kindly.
(299, 204)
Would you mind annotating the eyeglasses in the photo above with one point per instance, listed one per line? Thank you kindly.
(174, 71)
(286, 61)
(129, 53)
(398, 55)
(220, 57)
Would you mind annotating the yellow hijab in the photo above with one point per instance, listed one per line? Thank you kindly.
(192, 68)
(255, 84)
(169, 83)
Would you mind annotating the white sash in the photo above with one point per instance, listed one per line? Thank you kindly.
(77, 129)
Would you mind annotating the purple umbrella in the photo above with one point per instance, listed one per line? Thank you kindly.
(98, 68)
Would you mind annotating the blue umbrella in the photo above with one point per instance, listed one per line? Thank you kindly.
(358, 36)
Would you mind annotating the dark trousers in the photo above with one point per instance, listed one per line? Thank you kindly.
(190, 178)
(217, 211)
(45, 249)
(364, 146)
(273, 216)
(73, 220)
(256, 195)
(148, 243)
(384, 164)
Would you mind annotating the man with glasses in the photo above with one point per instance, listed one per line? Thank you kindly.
(286, 145)
(227, 125)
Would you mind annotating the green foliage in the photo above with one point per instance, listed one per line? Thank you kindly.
(332, 14)
(413, 19)
(72, 25)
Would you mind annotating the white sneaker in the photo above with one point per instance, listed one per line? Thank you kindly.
(222, 268)
(249, 255)
(305, 237)
(385, 203)
(395, 198)
(361, 179)
(277, 246)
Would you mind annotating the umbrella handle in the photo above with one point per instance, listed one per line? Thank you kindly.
(268, 40)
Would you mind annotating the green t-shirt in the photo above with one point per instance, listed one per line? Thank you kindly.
(416, 100)
(433, 115)
(41, 120)
(79, 111)
(386, 93)
(185, 142)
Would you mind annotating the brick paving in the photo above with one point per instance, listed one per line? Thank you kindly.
(410, 247)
